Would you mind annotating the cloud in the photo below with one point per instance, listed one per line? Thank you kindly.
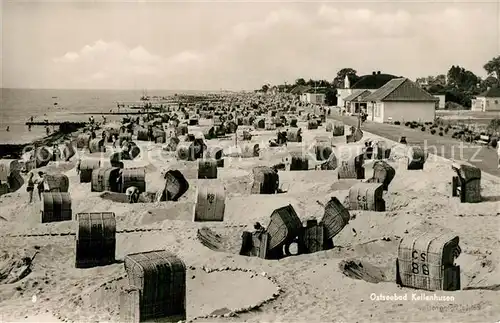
(109, 62)
(68, 57)
(289, 43)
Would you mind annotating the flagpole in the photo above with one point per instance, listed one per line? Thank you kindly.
(359, 113)
(236, 132)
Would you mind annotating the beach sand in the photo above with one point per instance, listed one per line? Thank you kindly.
(311, 287)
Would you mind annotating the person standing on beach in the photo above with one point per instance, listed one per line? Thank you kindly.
(498, 154)
(56, 153)
(150, 133)
(31, 186)
(113, 138)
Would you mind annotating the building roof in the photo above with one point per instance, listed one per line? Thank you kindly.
(357, 94)
(401, 89)
(372, 81)
(299, 89)
(493, 92)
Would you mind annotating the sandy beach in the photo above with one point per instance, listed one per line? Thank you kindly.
(312, 287)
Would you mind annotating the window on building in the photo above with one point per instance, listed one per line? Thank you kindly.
(496, 101)
(377, 110)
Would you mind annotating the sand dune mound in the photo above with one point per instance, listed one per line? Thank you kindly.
(14, 266)
(57, 167)
(114, 197)
(228, 240)
(122, 197)
(236, 181)
(343, 184)
(257, 208)
(218, 292)
(173, 211)
(148, 167)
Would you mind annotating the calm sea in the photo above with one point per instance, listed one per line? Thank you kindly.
(18, 105)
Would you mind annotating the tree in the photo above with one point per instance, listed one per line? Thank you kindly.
(331, 96)
(312, 83)
(265, 88)
(490, 81)
(460, 97)
(300, 81)
(324, 83)
(338, 82)
(318, 83)
(440, 80)
(436, 89)
(462, 79)
(493, 67)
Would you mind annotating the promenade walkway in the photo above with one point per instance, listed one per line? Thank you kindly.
(480, 156)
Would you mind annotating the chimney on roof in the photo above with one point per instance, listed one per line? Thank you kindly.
(373, 73)
(378, 72)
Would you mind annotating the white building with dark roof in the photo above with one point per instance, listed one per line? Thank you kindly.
(356, 102)
(487, 101)
(369, 82)
(401, 100)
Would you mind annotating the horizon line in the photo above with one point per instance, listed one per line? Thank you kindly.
(118, 89)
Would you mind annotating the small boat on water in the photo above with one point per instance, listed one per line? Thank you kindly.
(54, 97)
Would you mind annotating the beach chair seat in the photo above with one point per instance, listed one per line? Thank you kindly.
(467, 183)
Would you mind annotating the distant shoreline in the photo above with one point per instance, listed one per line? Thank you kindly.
(15, 150)
(128, 90)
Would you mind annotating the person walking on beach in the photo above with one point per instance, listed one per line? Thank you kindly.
(8, 128)
(31, 186)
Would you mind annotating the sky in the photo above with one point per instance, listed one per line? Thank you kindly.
(213, 45)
